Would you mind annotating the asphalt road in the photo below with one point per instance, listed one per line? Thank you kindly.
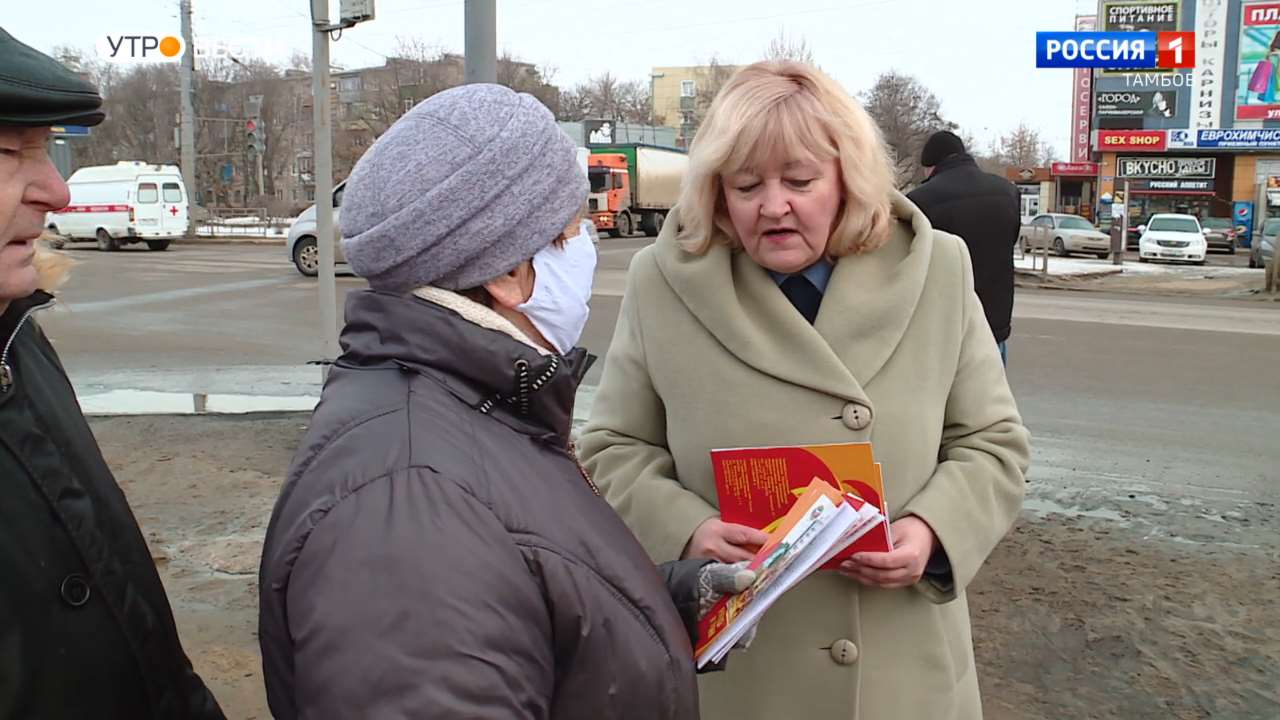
(1123, 393)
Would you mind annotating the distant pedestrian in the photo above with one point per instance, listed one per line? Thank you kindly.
(437, 552)
(85, 627)
(959, 198)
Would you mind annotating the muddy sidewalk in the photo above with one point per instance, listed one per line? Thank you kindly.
(1098, 605)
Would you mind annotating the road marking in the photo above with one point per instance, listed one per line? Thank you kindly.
(171, 295)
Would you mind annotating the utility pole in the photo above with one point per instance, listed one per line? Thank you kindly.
(323, 153)
(187, 131)
(481, 41)
(1118, 258)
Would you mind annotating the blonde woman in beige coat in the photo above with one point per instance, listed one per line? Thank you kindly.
(789, 180)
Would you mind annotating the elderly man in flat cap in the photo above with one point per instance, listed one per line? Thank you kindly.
(85, 627)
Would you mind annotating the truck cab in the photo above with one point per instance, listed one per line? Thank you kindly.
(610, 192)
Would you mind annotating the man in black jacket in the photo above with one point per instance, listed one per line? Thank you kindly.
(983, 209)
(85, 627)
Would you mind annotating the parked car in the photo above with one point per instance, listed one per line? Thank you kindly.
(1264, 248)
(1220, 233)
(302, 247)
(1064, 234)
(1167, 236)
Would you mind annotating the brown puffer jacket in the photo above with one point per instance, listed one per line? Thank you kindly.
(436, 551)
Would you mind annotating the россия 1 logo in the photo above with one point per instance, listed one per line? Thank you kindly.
(1116, 50)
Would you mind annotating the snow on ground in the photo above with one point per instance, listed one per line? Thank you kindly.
(1065, 266)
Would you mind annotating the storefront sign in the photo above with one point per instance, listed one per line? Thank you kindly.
(1139, 140)
(1027, 175)
(1081, 98)
(1161, 16)
(1074, 169)
(1165, 167)
(1258, 91)
(1209, 74)
(1136, 103)
(1245, 139)
(1205, 186)
(1182, 139)
(1152, 16)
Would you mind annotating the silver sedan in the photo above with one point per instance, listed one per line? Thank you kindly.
(1064, 234)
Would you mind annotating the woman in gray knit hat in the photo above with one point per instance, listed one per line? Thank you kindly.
(437, 551)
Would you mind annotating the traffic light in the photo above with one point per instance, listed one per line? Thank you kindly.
(255, 138)
(253, 135)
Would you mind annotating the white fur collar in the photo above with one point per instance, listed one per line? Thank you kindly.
(477, 314)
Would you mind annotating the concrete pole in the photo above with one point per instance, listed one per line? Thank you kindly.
(322, 152)
(187, 131)
(1259, 211)
(262, 188)
(1118, 258)
(481, 41)
(1273, 274)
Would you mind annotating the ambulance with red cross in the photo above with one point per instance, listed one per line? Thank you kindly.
(129, 202)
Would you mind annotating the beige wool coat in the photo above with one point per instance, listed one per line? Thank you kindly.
(708, 354)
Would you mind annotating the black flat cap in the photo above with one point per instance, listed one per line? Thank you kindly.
(38, 91)
(940, 146)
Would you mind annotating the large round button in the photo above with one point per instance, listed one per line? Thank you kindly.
(74, 590)
(844, 652)
(856, 416)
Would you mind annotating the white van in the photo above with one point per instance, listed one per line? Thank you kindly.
(124, 203)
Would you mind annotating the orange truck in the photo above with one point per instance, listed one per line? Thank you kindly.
(633, 187)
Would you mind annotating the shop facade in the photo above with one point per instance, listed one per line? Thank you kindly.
(1207, 173)
(1203, 141)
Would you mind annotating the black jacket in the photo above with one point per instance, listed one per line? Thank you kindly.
(85, 626)
(437, 551)
(983, 209)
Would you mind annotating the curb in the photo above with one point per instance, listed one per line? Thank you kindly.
(233, 240)
(1040, 277)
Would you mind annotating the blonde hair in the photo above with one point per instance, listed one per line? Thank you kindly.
(785, 109)
(52, 267)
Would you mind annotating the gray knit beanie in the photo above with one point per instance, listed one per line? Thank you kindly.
(467, 185)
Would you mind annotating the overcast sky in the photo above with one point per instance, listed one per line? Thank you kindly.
(978, 57)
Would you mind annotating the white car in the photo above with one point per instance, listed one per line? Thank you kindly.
(1065, 234)
(301, 245)
(1172, 237)
(129, 202)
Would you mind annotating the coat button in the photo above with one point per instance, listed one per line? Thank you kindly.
(844, 652)
(75, 590)
(856, 416)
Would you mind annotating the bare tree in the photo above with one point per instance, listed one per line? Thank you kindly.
(299, 61)
(711, 79)
(141, 103)
(529, 78)
(1022, 147)
(782, 47)
(574, 104)
(907, 113)
(140, 107)
(606, 97)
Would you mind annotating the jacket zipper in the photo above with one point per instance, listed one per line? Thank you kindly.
(6, 372)
(572, 452)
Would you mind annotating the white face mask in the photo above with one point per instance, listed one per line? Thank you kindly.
(561, 290)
